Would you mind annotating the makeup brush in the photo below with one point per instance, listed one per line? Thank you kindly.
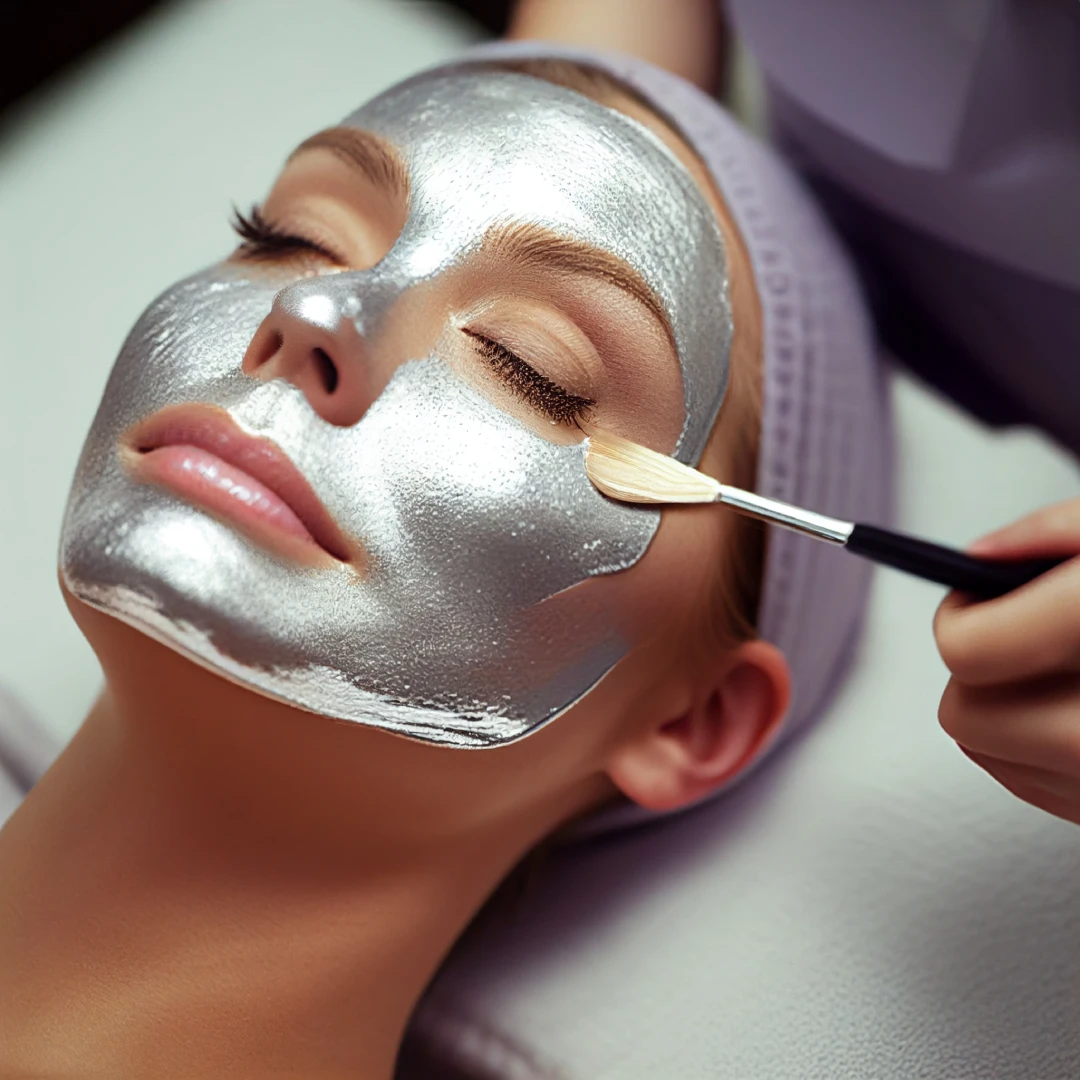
(628, 472)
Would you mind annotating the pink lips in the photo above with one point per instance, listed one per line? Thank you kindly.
(199, 453)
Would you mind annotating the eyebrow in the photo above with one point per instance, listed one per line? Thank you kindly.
(534, 246)
(364, 152)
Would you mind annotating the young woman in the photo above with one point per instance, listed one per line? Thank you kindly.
(367, 630)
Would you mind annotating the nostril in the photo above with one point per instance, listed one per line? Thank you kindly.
(328, 373)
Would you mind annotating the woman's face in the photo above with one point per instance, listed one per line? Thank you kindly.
(343, 467)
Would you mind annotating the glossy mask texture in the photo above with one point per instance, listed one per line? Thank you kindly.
(466, 628)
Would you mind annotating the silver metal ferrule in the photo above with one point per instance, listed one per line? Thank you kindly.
(830, 529)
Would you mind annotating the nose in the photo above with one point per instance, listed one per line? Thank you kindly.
(309, 340)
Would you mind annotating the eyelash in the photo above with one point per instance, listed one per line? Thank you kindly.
(262, 239)
(536, 390)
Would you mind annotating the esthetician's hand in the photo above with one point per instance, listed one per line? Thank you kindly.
(1013, 702)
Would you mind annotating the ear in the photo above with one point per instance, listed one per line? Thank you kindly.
(735, 712)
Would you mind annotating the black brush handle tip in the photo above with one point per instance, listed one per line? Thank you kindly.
(984, 578)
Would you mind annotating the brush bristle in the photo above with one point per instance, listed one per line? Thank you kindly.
(631, 473)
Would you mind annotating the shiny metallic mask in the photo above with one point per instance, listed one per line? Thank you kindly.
(466, 629)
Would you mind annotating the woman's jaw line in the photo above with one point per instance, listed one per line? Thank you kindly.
(215, 739)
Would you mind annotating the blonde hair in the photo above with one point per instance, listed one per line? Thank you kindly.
(730, 610)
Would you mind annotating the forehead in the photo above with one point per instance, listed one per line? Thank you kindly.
(499, 144)
(486, 148)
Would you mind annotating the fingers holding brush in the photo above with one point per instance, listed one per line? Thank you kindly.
(1013, 701)
(1030, 632)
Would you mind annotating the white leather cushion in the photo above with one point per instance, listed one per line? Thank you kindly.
(868, 905)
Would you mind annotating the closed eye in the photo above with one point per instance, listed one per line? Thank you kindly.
(536, 390)
(262, 240)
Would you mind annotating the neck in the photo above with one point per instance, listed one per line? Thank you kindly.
(207, 883)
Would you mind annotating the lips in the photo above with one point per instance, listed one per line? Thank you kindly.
(200, 453)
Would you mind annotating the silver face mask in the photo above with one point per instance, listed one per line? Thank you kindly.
(469, 626)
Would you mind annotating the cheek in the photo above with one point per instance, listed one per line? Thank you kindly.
(659, 596)
(191, 337)
(653, 603)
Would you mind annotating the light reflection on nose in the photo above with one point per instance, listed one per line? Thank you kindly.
(320, 311)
